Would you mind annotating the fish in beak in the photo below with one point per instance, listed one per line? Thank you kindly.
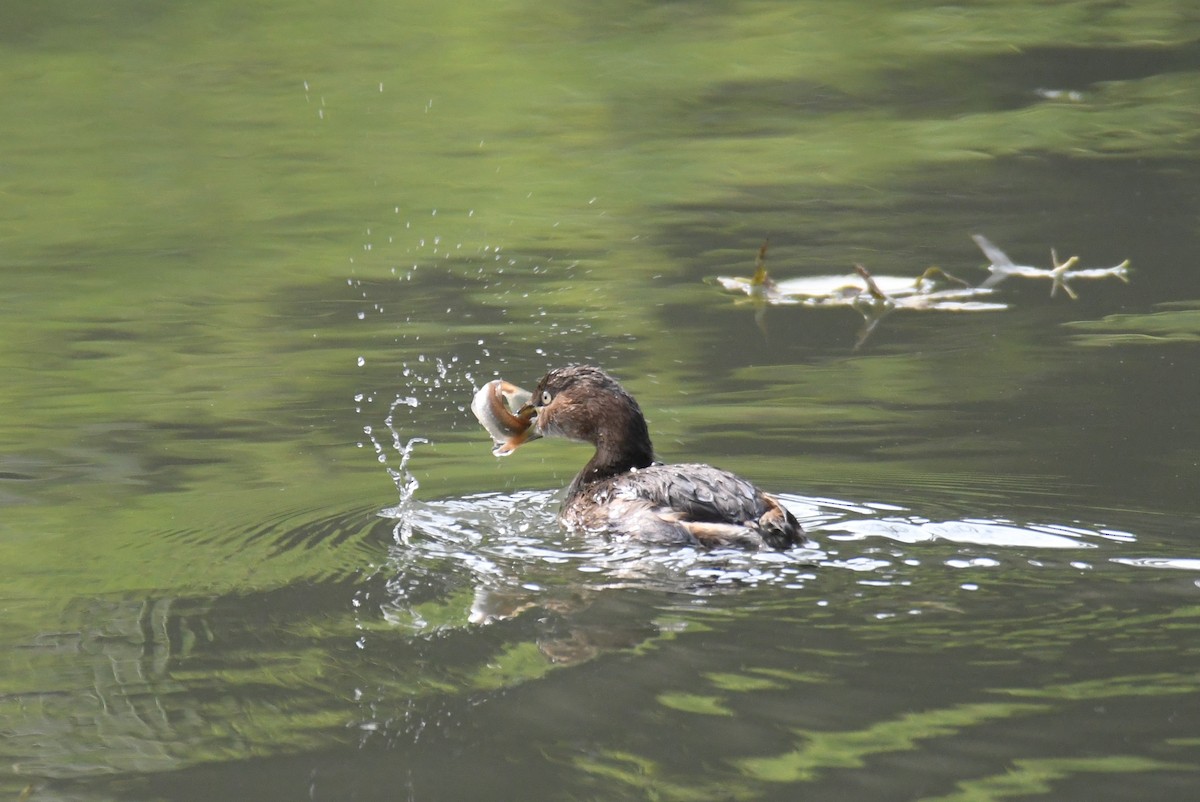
(506, 412)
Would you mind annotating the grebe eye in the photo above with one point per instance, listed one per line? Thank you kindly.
(546, 397)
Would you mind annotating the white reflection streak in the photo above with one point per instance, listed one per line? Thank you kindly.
(971, 532)
(1176, 563)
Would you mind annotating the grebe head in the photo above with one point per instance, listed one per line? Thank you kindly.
(581, 402)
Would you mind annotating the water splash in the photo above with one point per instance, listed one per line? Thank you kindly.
(406, 484)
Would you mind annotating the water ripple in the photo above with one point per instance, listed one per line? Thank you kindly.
(486, 557)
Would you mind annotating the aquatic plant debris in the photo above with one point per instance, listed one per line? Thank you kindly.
(876, 296)
(1003, 268)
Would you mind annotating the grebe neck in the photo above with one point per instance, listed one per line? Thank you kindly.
(622, 444)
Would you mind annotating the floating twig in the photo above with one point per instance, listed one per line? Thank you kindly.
(1060, 276)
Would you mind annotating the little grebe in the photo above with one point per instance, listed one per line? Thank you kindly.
(623, 491)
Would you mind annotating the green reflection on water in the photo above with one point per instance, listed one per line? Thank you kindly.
(1168, 326)
(132, 686)
(741, 682)
(823, 751)
(1164, 684)
(694, 703)
(1032, 776)
(519, 662)
(634, 772)
(830, 750)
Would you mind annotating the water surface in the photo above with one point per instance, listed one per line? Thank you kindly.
(256, 261)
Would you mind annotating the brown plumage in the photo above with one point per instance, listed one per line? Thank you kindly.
(623, 491)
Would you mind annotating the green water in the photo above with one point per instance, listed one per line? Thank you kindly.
(233, 238)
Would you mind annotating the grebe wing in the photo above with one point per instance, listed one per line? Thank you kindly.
(700, 493)
(714, 507)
